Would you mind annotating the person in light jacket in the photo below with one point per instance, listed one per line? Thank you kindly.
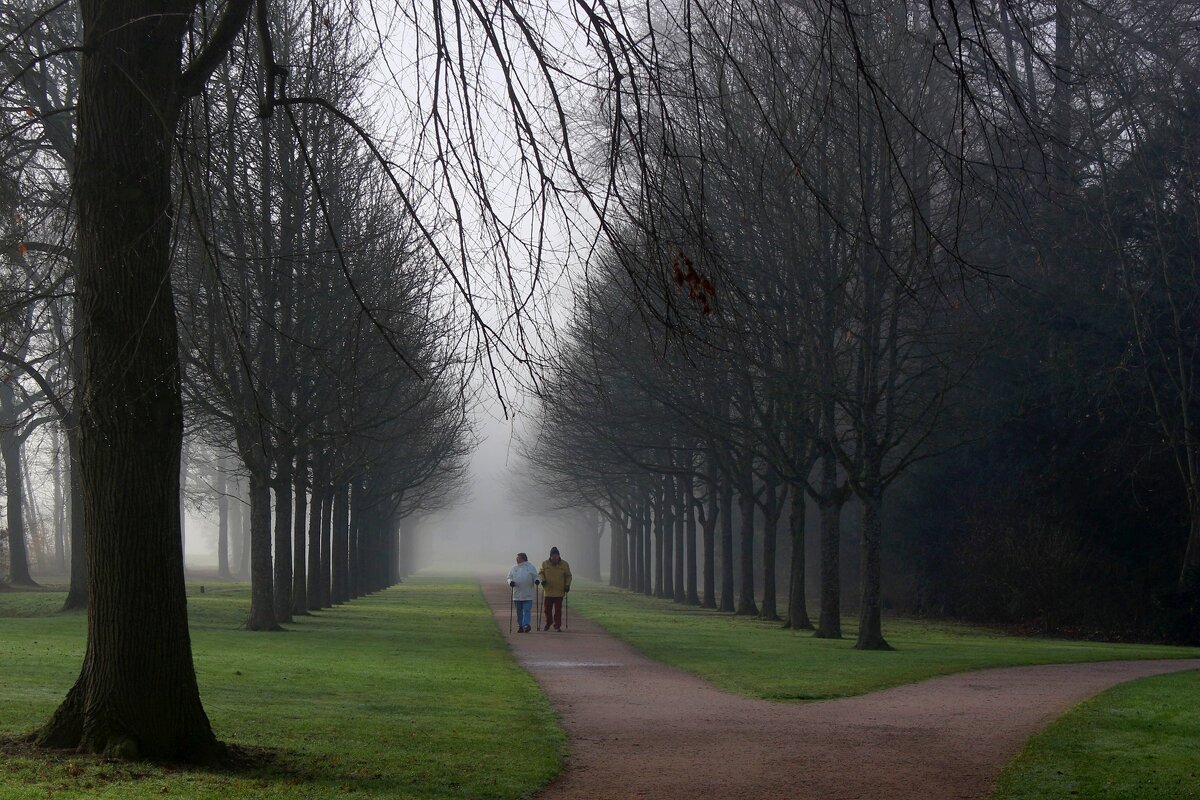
(522, 578)
(556, 582)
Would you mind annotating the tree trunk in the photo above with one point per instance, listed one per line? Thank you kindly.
(747, 605)
(678, 584)
(60, 543)
(299, 571)
(830, 501)
(797, 601)
(315, 558)
(710, 531)
(222, 524)
(727, 601)
(339, 587)
(14, 485)
(325, 573)
(283, 541)
(77, 593)
(660, 510)
(646, 566)
(870, 627)
(689, 495)
(262, 592)
(774, 509)
(136, 695)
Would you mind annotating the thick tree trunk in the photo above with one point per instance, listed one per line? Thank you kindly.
(870, 626)
(339, 586)
(727, 601)
(316, 510)
(646, 566)
(710, 534)
(680, 593)
(283, 541)
(245, 524)
(660, 511)
(830, 501)
(14, 485)
(797, 601)
(667, 539)
(747, 605)
(136, 695)
(774, 509)
(692, 596)
(325, 573)
(262, 592)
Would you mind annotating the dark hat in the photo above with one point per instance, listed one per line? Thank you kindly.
(553, 551)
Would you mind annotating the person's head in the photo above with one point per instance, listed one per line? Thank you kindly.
(554, 556)
(522, 558)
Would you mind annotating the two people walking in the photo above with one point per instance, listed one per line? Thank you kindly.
(555, 579)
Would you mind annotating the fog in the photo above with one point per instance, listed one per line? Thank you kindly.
(490, 521)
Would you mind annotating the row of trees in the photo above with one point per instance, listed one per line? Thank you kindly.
(843, 212)
(284, 316)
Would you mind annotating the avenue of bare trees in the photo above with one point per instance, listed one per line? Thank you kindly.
(834, 255)
(873, 245)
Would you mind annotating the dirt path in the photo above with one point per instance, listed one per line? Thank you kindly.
(639, 728)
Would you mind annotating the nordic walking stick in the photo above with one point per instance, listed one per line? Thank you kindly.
(567, 610)
(512, 591)
(537, 595)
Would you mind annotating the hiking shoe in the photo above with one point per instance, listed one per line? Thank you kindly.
(547, 627)
(557, 629)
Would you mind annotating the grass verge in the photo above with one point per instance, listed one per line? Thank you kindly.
(1137, 740)
(410, 693)
(760, 659)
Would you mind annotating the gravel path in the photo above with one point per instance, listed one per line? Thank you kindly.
(638, 728)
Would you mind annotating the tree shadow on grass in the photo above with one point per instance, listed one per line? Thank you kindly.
(67, 770)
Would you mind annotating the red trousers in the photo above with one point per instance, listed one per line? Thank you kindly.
(554, 611)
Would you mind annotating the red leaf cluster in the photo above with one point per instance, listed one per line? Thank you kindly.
(700, 288)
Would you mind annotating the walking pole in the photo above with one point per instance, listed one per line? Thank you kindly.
(567, 609)
(512, 592)
(538, 599)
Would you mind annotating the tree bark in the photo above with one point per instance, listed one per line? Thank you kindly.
(136, 695)
(830, 501)
(299, 571)
(797, 618)
(747, 605)
(339, 586)
(283, 541)
(727, 601)
(14, 486)
(262, 592)
(77, 593)
(870, 624)
(222, 524)
(774, 509)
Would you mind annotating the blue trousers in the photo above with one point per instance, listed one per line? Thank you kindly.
(524, 609)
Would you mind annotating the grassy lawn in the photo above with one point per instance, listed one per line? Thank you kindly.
(1137, 740)
(411, 693)
(760, 659)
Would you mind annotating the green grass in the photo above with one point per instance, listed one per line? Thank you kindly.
(759, 659)
(1137, 740)
(411, 693)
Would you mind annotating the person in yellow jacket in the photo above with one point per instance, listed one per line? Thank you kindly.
(555, 575)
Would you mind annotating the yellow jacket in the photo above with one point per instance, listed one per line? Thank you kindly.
(556, 578)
